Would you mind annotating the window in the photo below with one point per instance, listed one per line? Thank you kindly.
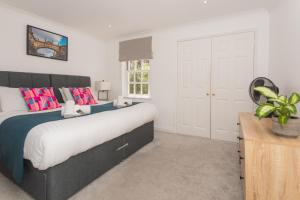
(138, 78)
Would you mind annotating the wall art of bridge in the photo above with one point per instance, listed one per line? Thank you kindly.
(36, 44)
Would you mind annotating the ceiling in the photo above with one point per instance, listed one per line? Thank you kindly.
(132, 16)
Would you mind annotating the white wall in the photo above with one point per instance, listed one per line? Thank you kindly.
(164, 65)
(285, 45)
(86, 54)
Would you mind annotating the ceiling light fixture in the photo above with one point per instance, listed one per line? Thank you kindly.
(109, 26)
(205, 2)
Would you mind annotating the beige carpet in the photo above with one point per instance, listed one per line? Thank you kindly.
(173, 167)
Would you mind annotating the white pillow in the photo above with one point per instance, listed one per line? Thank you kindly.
(66, 94)
(11, 99)
(62, 94)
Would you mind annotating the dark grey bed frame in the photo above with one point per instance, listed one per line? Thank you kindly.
(63, 180)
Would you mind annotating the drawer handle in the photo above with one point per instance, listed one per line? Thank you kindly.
(238, 123)
(239, 151)
(240, 138)
(242, 178)
(240, 160)
(122, 147)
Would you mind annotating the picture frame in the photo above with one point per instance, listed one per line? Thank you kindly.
(46, 44)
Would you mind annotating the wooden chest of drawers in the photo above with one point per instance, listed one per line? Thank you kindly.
(270, 164)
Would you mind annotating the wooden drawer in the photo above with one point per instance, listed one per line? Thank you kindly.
(242, 175)
(240, 130)
(241, 144)
(242, 169)
(271, 164)
(242, 163)
(242, 148)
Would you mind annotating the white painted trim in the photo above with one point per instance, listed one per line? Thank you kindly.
(253, 30)
(124, 77)
(166, 130)
(147, 97)
(220, 34)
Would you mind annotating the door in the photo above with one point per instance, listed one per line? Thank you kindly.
(232, 72)
(193, 102)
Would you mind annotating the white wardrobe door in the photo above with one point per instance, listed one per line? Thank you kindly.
(193, 106)
(232, 72)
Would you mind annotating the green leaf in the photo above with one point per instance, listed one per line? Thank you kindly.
(279, 101)
(282, 119)
(294, 98)
(264, 110)
(283, 98)
(277, 112)
(266, 92)
(291, 108)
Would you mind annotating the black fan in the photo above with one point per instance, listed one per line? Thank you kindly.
(261, 81)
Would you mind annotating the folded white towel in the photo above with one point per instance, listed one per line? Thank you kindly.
(69, 109)
(121, 102)
(85, 109)
(72, 110)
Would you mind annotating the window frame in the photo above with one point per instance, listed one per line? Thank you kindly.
(127, 82)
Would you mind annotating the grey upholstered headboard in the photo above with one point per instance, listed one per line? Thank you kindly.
(25, 79)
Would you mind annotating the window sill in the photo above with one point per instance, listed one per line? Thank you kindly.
(139, 97)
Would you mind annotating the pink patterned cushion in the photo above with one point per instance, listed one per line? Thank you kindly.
(38, 99)
(83, 96)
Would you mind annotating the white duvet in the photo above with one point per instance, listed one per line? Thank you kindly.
(52, 143)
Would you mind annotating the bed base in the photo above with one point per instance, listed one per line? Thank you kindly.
(62, 181)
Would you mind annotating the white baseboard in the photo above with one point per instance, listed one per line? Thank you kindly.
(166, 130)
(174, 131)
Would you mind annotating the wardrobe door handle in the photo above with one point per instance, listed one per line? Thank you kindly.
(213, 94)
(207, 94)
(242, 178)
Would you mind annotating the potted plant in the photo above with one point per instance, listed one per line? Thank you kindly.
(283, 111)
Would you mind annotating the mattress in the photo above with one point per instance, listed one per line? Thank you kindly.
(52, 143)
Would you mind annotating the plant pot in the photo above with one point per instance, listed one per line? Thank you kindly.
(291, 129)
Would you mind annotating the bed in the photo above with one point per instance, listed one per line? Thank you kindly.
(63, 179)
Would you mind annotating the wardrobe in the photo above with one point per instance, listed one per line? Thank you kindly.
(214, 74)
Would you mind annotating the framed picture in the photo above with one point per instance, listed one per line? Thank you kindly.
(46, 44)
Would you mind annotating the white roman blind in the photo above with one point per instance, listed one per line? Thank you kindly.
(136, 49)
